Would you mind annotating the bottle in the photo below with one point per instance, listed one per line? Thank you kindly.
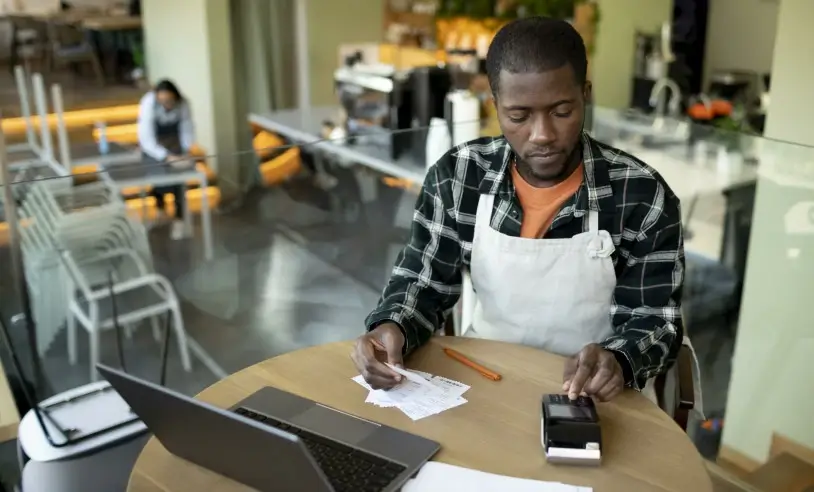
(438, 141)
(104, 147)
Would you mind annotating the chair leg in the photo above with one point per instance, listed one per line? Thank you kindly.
(22, 458)
(71, 329)
(128, 329)
(181, 336)
(154, 321)
(97, 70)
(47, 62)
(93, 334)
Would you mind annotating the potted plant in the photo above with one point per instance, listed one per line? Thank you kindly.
(138, 74)
(559, 9)
(735, 133)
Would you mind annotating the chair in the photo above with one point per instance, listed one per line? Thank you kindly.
(70, 46)
(678, 398)
(674, 389)
(28, 41)
(103, 266)
(103, 469)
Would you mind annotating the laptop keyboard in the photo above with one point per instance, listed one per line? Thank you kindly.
(347, 469)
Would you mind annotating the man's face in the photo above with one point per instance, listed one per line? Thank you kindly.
(541, 115)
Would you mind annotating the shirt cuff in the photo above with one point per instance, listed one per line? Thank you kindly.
(628, 357)
(376, 319)
(625, 364)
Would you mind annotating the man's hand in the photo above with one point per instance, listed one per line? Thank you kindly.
(593, 371)
(373, 349)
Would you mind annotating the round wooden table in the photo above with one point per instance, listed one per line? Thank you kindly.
(497, 431)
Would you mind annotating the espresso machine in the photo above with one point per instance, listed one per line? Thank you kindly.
(375, 100)
(429, 88)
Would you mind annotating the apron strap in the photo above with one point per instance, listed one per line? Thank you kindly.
(593, 221)
(483, 217)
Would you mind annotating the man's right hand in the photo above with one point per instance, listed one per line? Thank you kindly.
(375, 349)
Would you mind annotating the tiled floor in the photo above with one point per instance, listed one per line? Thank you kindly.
(264, 294)
(294, 266)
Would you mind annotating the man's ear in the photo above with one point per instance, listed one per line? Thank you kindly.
(587, 90)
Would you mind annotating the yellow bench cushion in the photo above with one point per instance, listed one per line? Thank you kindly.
(73, 119)
(282, 167)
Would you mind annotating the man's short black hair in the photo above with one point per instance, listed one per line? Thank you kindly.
(534, 45)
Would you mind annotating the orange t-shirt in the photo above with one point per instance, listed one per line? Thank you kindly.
(540, 205)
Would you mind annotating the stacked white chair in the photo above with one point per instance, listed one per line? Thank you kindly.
(31, 144)
(83, 253)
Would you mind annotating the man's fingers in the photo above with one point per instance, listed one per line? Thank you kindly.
(570, 368)
(394, 356)
(392, 353)
(377, 381)
(611, 390)
(611, 386)
(361, 358)
(383, 376)
(580, 379)
(370, 364)
(602, 377)
(365, 350)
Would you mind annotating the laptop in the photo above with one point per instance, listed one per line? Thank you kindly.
(276, 441)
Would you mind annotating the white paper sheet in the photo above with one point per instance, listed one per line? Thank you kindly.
(420, 394)
(440, 477)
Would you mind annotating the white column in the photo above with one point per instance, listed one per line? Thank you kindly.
(303, 63)
(792, 100)
(190, 43)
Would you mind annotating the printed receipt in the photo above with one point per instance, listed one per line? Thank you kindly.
(419, 395)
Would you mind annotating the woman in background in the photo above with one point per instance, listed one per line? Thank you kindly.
(166, 135)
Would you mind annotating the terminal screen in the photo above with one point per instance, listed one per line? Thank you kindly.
(569, 412)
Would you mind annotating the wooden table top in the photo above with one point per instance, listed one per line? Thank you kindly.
(497, 431)
(9, 417)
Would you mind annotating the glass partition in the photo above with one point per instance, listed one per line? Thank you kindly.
(299, 256)
(774, 335)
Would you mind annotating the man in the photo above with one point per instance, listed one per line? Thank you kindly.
(573, 247)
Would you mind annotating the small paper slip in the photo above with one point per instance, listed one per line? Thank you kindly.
(419, 395)
(423, 374)
(424, 408)
(440, 477)
(413, 387)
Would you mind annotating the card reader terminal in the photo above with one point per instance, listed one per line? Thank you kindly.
(570, 431)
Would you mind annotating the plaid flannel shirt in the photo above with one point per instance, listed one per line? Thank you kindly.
(635, 206)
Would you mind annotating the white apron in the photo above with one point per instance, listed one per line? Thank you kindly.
(552, 294)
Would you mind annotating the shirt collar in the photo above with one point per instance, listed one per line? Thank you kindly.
(594, 194)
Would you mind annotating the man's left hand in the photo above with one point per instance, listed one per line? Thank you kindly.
(595, 372)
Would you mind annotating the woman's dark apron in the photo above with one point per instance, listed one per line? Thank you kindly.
(168, 135)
